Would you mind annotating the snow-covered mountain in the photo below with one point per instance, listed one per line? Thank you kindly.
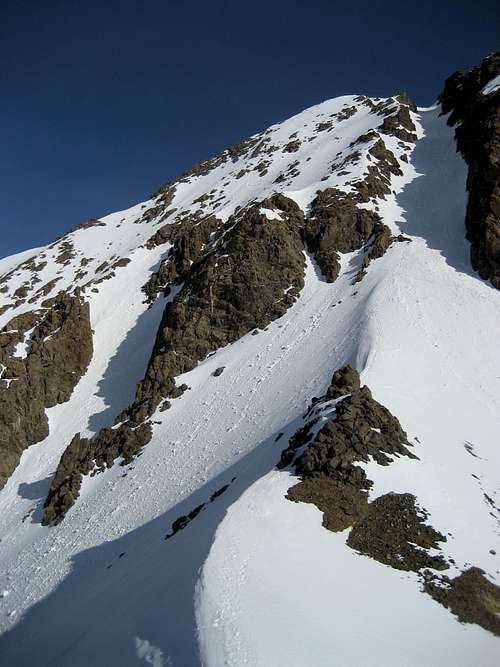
(254, 420)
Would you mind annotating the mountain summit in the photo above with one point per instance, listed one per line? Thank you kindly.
(253, 420)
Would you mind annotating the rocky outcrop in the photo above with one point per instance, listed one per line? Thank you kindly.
(162, 200)
(184, 520)
(338, 225)
(251, 275)
(470, 596)
(393, 532)
(392, 528)
(83, 456)
(400, 124)
(58, 348)
(362, 429)
(91, 222)
(376, 248)
(232, 153)
(236, 278)
(477, 119)
(403, 98)
(376, 184)
(358, 429)
(190, 240)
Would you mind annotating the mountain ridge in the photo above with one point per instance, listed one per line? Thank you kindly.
(318, 245)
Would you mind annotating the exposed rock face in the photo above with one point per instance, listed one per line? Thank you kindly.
(388, 529)
(477, 116)
(244, 277)
(377, 183)
(400, 124)
(250, 277)
(163, 199)
(391, 529)
(404, 98)
(59, 349)
(91, 222)
(232, 153)
(362, 429)
(342, 504)
(182, 521)
(338, 225)
(190, 239)
(82, 456)
(394, 533)
(344, 381)
(470, 596)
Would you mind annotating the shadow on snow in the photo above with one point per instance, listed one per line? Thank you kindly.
(137, 587)
(434, 203)
(127, 367)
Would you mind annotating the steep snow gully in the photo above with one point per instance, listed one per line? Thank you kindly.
(254, 579)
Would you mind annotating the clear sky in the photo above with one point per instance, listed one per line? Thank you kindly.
(102, 102)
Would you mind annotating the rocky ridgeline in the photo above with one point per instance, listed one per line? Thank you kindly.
(69, 266)
(57, 341)
(235, 277)
(391, 529)
(60, 254)
(337, 224)
(477, 119)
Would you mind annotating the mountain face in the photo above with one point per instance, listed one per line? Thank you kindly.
(254, 420)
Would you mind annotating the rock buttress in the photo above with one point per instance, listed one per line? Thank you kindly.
(58, 352)
(252, 276)
(477, 133)
(337, 225)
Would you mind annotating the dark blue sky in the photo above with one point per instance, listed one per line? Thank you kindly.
(102, 102)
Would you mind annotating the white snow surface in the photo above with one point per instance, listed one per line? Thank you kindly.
(270, 214)
(255, 579)
(491, 86)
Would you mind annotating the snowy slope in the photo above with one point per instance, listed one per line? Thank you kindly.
(277, 588)
(254, 579)
(325, 134)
